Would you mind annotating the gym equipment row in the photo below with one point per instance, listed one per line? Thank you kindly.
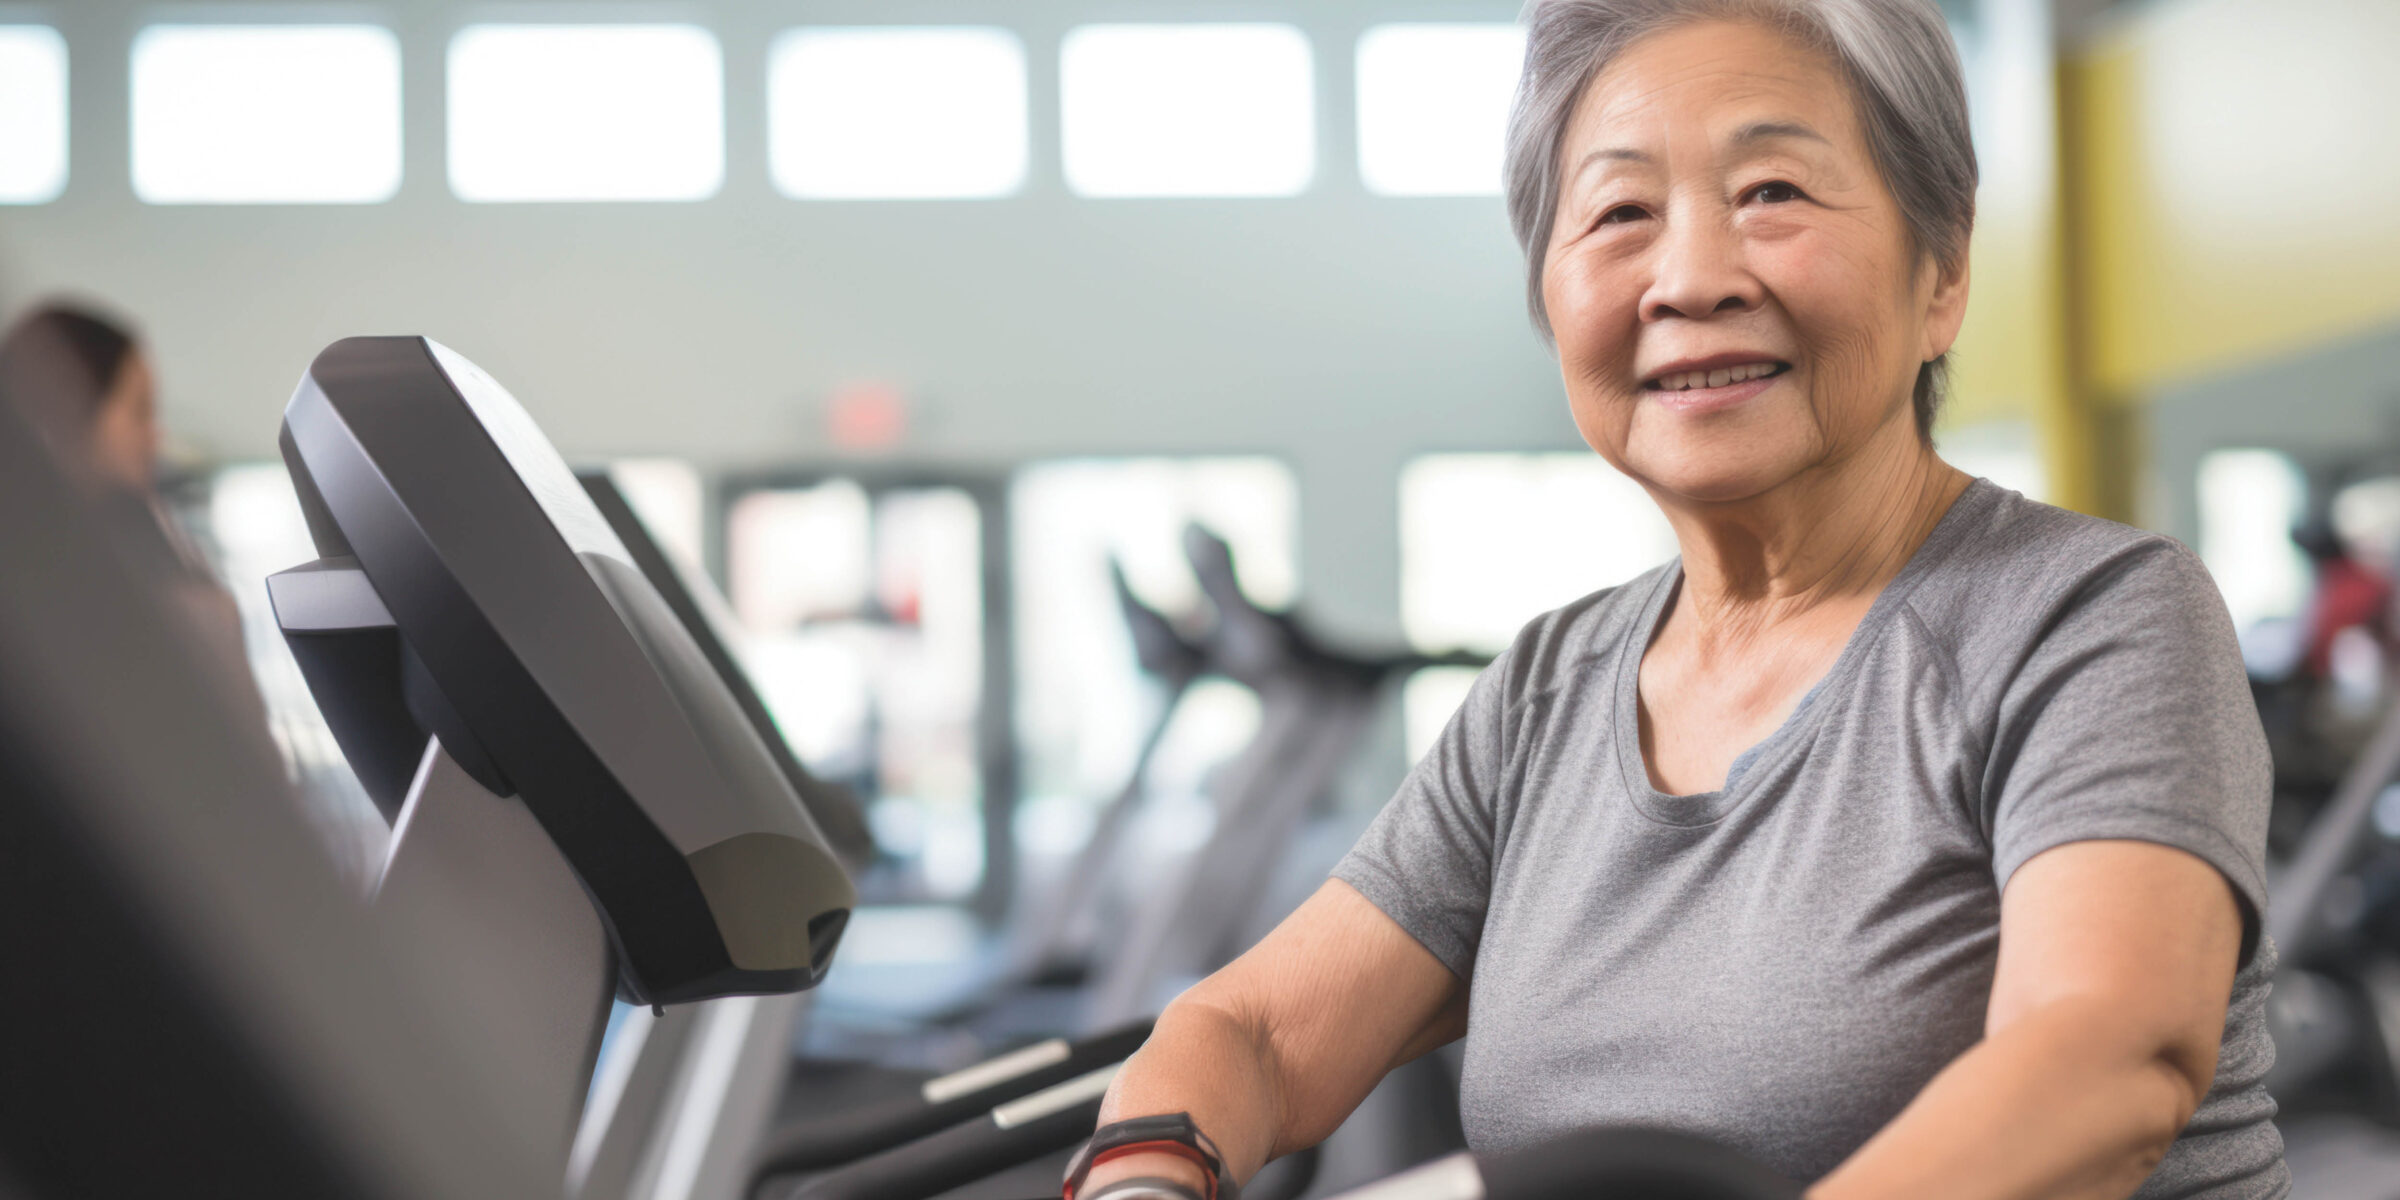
(611, 886)
(583, 809)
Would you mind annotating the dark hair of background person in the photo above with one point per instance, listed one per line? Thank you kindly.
(62, 367)
(60, 362)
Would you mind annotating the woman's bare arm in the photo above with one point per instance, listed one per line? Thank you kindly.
(2116, 963)
(1270, 1054)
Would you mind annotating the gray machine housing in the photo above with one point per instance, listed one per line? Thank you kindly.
(468, 592)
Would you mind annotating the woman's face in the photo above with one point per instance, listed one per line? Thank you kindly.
(125, 434)
(1732, 287)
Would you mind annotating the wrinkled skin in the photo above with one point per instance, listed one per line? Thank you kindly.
(1719, 198)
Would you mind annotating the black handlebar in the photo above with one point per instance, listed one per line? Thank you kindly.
(1018, 1132)
(825, 1142)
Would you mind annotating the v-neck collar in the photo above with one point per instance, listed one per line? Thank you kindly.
(1703, 808)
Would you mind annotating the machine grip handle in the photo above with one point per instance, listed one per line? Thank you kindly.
(824, 1143)
(1017, 1132)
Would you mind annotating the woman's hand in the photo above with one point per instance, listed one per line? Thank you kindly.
(1270, 1054)
(2116, 963)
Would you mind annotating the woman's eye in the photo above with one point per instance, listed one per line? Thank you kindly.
(1621, 214)
(1775, 192)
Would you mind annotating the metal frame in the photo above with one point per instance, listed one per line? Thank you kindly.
(528, 954)
(682, 1100)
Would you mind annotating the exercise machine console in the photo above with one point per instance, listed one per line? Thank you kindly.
(561, 761)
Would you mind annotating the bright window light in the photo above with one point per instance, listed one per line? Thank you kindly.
(586, 112)
(1433, 107)
(906, 114)
(2250, 501)
(863, 614)
(1187, 110)
(2003, 451)
(671, 498)
(1083, 703)
(1489, 541)
(266, 114)
(33, 114)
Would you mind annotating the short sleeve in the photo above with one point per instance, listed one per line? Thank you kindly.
(1426, 861)
(2130, 718)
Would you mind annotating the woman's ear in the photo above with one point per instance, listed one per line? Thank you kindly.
(1945, 307)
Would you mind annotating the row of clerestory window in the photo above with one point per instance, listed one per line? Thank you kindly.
(312, 114)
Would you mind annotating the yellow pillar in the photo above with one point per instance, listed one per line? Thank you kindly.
(2089, 469)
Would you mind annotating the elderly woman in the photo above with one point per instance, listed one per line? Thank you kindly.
(1903, 833)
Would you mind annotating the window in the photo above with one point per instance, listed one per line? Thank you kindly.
(33, 114)
(586, 112)
(1489, 541)
(2366, 516)
(1083, 706)
(1433, 107)
(249, 521)
(864, 613)
(2250, 502)
(2006, 452)
(896, 113)
(1187, 110)
(266, 114)
(670, 497)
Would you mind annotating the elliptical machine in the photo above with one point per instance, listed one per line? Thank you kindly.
(579, 781)
(571, 783)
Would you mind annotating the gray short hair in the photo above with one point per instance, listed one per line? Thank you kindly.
(1904, 76)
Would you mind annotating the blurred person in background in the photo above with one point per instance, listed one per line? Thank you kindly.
(2345, 593)
(84, 381)
(2308, 697)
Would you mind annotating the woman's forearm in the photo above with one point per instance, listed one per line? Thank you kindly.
(2066, 1103)
(1206, 1061)
(1271, 1053)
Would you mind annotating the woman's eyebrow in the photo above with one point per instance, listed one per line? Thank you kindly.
(1774, 131)
(1748, 135)
(1609, 154)
(1617, 153)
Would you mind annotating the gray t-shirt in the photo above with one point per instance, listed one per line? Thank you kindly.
(1783, 964)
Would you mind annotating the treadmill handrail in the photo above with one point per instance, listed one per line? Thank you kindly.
(825, 1142)
(1045, 1122)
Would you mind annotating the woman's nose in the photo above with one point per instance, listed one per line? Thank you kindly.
(1700, 272)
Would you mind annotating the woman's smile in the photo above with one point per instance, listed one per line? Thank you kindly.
(1701, 386)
